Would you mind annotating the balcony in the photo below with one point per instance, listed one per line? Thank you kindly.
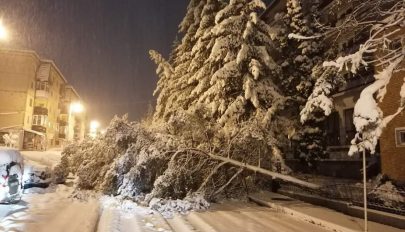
(42, 94)
(42, 89)
(39, 128)
(38, 110)
(62, 123)
(64, 110)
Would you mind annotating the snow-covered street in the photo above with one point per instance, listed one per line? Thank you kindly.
(53, 209)
(240, 216)
(48, 209)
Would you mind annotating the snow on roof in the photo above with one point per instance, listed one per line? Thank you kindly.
(35, 132)
(8, 155)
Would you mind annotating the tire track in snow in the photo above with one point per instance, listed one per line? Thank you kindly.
(118, 216)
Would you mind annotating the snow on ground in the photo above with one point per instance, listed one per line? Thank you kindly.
(54, 209)
(240, 216)
(49, 210)
(126, 216)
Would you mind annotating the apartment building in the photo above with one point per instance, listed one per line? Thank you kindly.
(32, 93)
(49, 85)
(339, 127)
(17, 96)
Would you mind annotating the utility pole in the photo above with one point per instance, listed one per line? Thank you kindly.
(365, 190)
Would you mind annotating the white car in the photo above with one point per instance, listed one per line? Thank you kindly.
(11, 171)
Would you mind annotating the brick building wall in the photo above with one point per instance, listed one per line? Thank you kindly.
(392, 155)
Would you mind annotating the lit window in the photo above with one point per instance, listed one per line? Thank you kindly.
(39, 120)
(400, 137)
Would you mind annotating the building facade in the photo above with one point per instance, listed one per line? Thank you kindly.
(31, 96)
(339, 127)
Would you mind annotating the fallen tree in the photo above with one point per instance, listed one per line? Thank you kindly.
(140, 163)
(258, 169)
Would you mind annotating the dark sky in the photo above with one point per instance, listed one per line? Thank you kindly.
(101, 46)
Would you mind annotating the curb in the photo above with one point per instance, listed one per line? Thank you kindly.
(385, 218)
(302, 216)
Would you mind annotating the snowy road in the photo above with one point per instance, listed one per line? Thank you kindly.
(52, 209)
(239, 216)
(48, 209)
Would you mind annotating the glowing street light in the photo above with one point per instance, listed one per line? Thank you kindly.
(76, 107)
(3, 32)
(94, 125)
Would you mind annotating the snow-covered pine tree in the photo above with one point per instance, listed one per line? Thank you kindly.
(176, 91)
(200, 67)
(241, 85)
(165, 73)
(299, 73)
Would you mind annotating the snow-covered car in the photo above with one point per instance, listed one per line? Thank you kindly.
(11, 171)
(36, 176)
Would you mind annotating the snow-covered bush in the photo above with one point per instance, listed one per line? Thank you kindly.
(11, 139)
(388, 194)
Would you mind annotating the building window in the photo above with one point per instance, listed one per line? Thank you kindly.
(39, 120)
(400, 137)
(42, 85)
(332, 129)
(349, 126)
(30, 102)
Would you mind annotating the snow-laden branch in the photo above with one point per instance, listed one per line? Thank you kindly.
(301, 37)
(257, 169)
(385, 21)
(368, 117)
(354, 61)
(320, 96)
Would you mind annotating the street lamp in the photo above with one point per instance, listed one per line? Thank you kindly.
(3, 32)
(75, 107)
(94, 125)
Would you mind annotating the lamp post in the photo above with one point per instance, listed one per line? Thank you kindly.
(75, 107)
(365, 191)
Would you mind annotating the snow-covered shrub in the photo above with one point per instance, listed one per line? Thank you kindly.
(91, 159)
(11, 139)
(388, 195)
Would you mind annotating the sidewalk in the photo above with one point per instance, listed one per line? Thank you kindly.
(324, 217)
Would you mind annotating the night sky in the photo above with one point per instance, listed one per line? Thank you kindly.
(101, 46)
